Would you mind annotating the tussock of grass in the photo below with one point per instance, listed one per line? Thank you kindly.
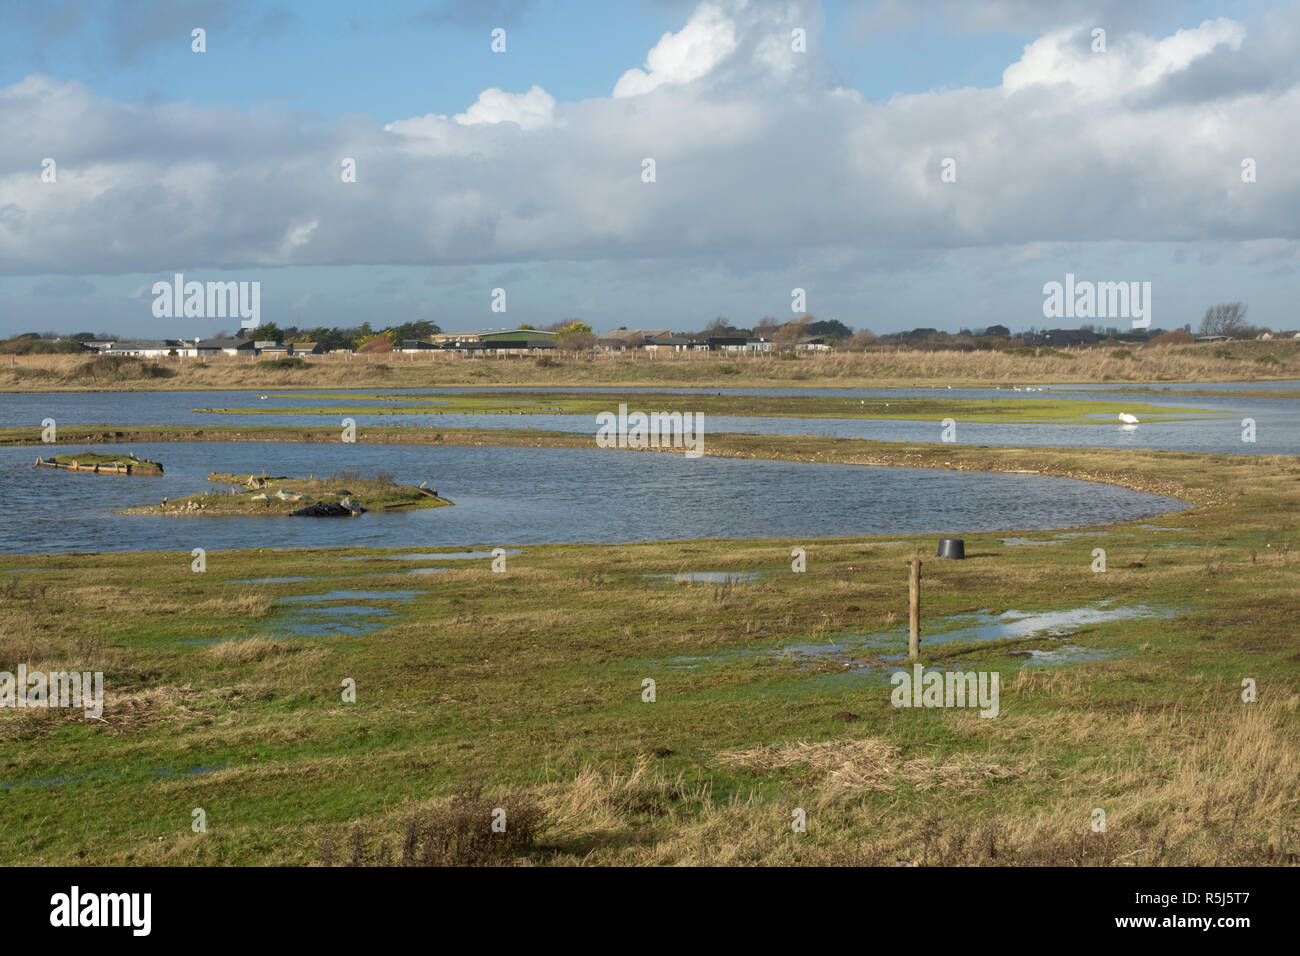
(844, 767)
(252, 606)
(455, 832)
(250, 650)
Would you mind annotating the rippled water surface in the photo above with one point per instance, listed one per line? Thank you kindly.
(519, 496)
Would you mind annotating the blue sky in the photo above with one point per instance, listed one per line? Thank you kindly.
(815, 171)
(414, 56)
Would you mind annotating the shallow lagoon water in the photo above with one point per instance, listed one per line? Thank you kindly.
(518, 496)
(1277, 424)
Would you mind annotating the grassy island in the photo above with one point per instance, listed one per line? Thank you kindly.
(338, 495)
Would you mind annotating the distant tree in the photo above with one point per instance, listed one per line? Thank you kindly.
(571, 327)
(378, 342)
(766, 327)
(413, 330)
(719, 326)
(790, 333)
(831, 329)
(527, 327)
(1228, 318)
(860, 340)
(266, 332)
(575, 339)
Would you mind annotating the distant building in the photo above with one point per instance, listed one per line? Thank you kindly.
(144, 348)
(490, 341)
(675, 343)
(494, 339)
(1061, 338)
(222, 346)
(621, 340)
(812, 343)
(728, 343)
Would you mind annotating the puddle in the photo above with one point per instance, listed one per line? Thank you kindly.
(343, 620)
(334, 620)
(444, 555)
(346, 595)
(983, 626)
(269, 580)
(710, 577)
(1068, 654)
(192, 772)
(875, 651)
(1055, 539)
(45, 783)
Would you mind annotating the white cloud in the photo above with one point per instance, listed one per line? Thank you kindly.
(1129, 63)
(530, 110)
(708, 38)
(1143, 143)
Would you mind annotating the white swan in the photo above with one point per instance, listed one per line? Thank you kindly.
(1128, 419)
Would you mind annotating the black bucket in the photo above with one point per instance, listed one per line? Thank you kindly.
(954, 548)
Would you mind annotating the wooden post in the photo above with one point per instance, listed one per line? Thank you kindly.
(914, 609)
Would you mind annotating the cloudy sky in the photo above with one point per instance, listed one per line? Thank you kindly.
(774, 167)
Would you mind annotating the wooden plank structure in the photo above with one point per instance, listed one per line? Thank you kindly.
(136, 466)
(914, 609)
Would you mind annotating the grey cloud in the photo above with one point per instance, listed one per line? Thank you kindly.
(62, 286)
(744, 169)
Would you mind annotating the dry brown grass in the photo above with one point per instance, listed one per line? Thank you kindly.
(886, 366)
(455, 832)
(841, 768)
(253, 606)
(251, 650)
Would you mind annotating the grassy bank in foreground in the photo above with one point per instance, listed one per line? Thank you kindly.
(1223, 362)
(524, 690)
